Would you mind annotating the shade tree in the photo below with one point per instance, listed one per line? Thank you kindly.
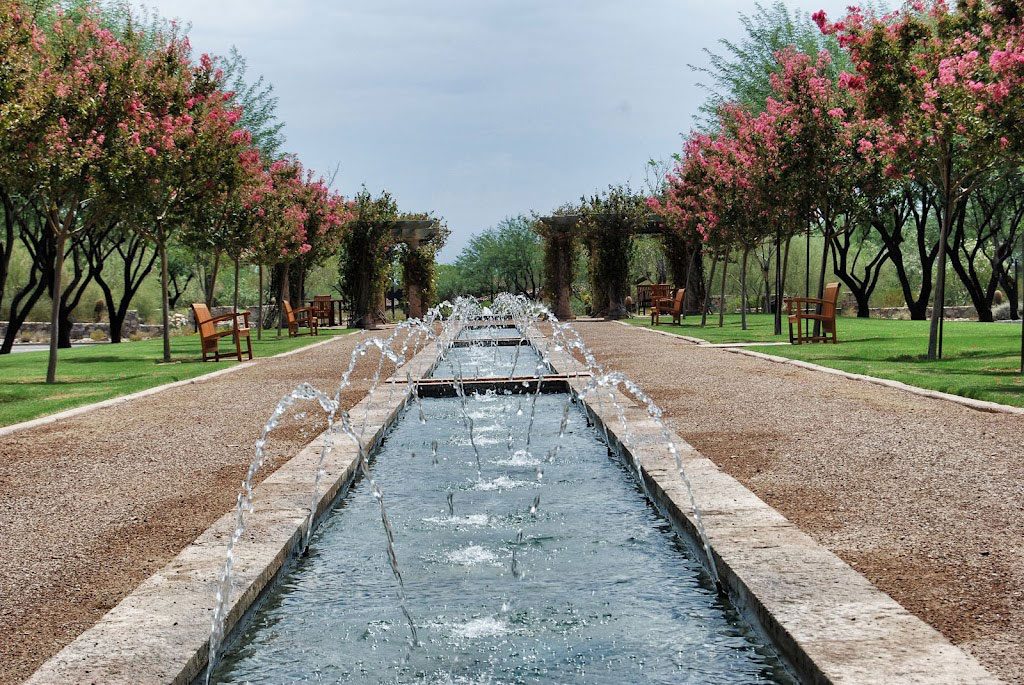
(946, 81)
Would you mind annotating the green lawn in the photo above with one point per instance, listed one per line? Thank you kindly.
(91, 373)
(981, 360)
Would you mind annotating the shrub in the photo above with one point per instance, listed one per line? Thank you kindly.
(1002, 312)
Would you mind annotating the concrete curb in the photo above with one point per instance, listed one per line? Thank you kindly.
(978, 405)
(829, 622)
(159, 633)
(121, 399)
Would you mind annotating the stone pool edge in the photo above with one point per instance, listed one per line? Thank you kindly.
(159, 633)
(828, 622)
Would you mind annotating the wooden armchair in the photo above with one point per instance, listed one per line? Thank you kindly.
(813, 309)
(667, 305)
(303, 316)
(321, 306)
(210, 336)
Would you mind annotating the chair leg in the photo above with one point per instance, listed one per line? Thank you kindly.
(248, 345)
(790, 332)
(238, 345)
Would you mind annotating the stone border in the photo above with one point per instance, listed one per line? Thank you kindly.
(978, 405)
(121, 399)
(829, 623)
(160, 632)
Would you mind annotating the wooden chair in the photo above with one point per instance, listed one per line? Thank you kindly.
(668, 305)
(823, 311)
(321, 307)
(303, 316)
(210, 336)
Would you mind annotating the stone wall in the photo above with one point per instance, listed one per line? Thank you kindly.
(268, 311)
(955, 312)
(83, 330)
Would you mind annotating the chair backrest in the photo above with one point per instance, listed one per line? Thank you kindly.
(288, 312)
(680, 297)
(831, 300)
(643, 294)
(203, 319)
(660, 290)
(322, 304)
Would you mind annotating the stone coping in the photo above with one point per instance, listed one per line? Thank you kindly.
(829, 623)
(160, 632)
(979, 405)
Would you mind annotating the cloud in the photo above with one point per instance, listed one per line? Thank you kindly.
(476, 110)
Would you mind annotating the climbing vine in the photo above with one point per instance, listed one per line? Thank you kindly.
(559, 254)
(607, 222)
(418, 264)
(366, 254)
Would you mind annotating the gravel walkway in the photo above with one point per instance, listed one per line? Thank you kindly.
(924, 497)
(92, 505)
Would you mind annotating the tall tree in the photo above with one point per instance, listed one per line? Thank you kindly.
(72, 153)
(946, 81)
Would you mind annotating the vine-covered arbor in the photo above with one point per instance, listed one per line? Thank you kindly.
(415, 233)
(607, 238)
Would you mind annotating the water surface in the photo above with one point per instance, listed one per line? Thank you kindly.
(593, 588)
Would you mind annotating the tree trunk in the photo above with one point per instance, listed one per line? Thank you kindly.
(282, 321)
(743, 289)
(66, 324)
(827, 234)
(235, 295)
(721, 302)
(778, 283)
(60, 238)
(807, 265)
(259, 309)
(26, 297)
(165, 305)
(211, 279)
(707, 295)
(785, 263)
(939, 301)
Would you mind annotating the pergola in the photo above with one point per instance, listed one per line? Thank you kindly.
(559, 240)
(413, 232)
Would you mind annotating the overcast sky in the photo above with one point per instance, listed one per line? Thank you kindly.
(476, 109)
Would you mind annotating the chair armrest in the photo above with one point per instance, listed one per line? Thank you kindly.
(805, 300)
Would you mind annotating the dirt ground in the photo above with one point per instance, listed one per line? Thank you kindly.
(924, 497)
(91, 506)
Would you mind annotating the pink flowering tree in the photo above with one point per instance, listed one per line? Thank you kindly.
(947, 85)
(327, 214)
(19, 41)
(185, 151)
(836, 163)
(68, 150)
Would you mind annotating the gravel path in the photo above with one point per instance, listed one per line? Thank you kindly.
(92, 505)
(924, 497)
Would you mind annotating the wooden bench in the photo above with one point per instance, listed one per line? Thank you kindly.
(303, 316)
(668, 305)
(210, 336)
(323, 309)
(813, 309)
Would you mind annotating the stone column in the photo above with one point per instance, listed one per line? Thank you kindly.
(414, 291)
(561, 242)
